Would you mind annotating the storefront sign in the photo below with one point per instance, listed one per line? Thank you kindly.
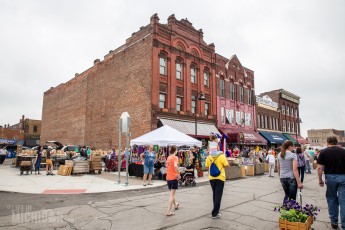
(266, 100)
(290, 98)
(7, 142)
(275, 137)
(249, 136)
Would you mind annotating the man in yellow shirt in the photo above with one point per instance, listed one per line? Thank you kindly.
(217, 182)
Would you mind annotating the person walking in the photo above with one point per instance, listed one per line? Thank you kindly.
(300, 163)
(333, 160)
(216, 181)
(288, 172)
(38, 160)
(149, 162)
(3, 153)
(271, 160)
(307, 160)
(49, 161)
(172, 177)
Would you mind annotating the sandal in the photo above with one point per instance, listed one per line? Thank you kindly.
(170, 214)
(176, 207)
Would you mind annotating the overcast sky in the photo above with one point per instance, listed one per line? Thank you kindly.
(295, 45)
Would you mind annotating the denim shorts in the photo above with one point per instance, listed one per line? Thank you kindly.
(148, 170)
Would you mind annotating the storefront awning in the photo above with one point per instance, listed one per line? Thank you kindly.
(291, 138)
(273, 137)
(243, 137)
(301, 140)
(188, 127)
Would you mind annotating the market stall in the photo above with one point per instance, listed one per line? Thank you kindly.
(164, 136)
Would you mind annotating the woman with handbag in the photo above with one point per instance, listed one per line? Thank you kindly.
(300, 163)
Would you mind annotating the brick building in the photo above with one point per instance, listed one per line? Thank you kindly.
(289, 119)
(31, 129)
(9, 136)
(235, 102)
(318, 137)
(156, 76)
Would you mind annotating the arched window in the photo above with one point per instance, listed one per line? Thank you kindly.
(193, 73)
(179, 69)
(163, 63)
(222, 86)
(195, 53)
(206, 77)
(283, 109)
(241, 89)
(292, 114)
(179, 47)
(287, 110)
(232, 90)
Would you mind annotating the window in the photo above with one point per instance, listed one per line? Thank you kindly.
(283, 109)
(250, 120)
(207, 106)
(296, 113)
(292, 127)
(193, 73)
(161, 101)
(222, 115)
(35, 128)
(162, 64)
(179, 73)
(271, 123)
(221, 86)
(241, 93)
(291, 112)
(274, 123)
(242, 119)
(232, 116)
(232, 91)
(249, 96)
(287, 110)
(288, 126)
(277, 124)
(193, 104)
(284, 126)
(206, 78)
(179, 103)
(259, 123)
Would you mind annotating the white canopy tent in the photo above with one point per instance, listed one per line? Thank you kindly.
(165, 136)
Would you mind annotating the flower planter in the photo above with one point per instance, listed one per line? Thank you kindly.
(287, 225)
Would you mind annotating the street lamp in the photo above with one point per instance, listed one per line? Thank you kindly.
(199, 97)
(298, 121)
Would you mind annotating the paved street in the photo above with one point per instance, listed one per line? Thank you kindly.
(247, 204)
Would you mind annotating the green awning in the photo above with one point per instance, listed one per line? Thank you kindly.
(288, 136)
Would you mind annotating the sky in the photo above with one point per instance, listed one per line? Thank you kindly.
(295, 45)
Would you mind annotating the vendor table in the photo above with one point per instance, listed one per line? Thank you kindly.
(136, 170)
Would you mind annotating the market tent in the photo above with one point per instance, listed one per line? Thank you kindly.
(165, 136)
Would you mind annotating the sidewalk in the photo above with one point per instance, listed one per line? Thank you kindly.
(75, 184)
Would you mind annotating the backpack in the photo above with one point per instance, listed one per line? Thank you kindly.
(214, 171)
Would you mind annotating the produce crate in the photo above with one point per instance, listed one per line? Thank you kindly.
(80, 167)
(267, 167)
(25, 163)
(243, 171)
(250, 170)
(259, 169)
(95, 165)
(287, 225)
(65, 170)
(232, 172)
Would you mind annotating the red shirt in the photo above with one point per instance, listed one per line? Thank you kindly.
(171, 171)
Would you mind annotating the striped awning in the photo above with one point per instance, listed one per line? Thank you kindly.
(188, 127)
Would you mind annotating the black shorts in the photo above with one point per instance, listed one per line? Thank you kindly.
(172, 184)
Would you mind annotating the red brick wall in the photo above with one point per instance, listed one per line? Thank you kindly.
(10, 134)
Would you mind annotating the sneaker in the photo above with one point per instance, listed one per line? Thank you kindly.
(144, 184)
(52, 174)
(334, 226)
(48, 174)
(217, 216)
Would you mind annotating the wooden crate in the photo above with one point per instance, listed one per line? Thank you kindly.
(259, 168)
(286, 225)
(81, 167)
(250, 170)
(25, 163)
(69, 163)
(267, 167)
(243, 171)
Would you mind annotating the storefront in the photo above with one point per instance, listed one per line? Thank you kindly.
(273, 138)
(243, 137)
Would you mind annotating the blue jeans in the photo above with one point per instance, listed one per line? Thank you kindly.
(290, 188)
(335, 195)
(301, 173)
(307, 166)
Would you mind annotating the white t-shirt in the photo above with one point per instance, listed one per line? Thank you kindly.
(306, 155)
(271, 159)
(3, 152)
